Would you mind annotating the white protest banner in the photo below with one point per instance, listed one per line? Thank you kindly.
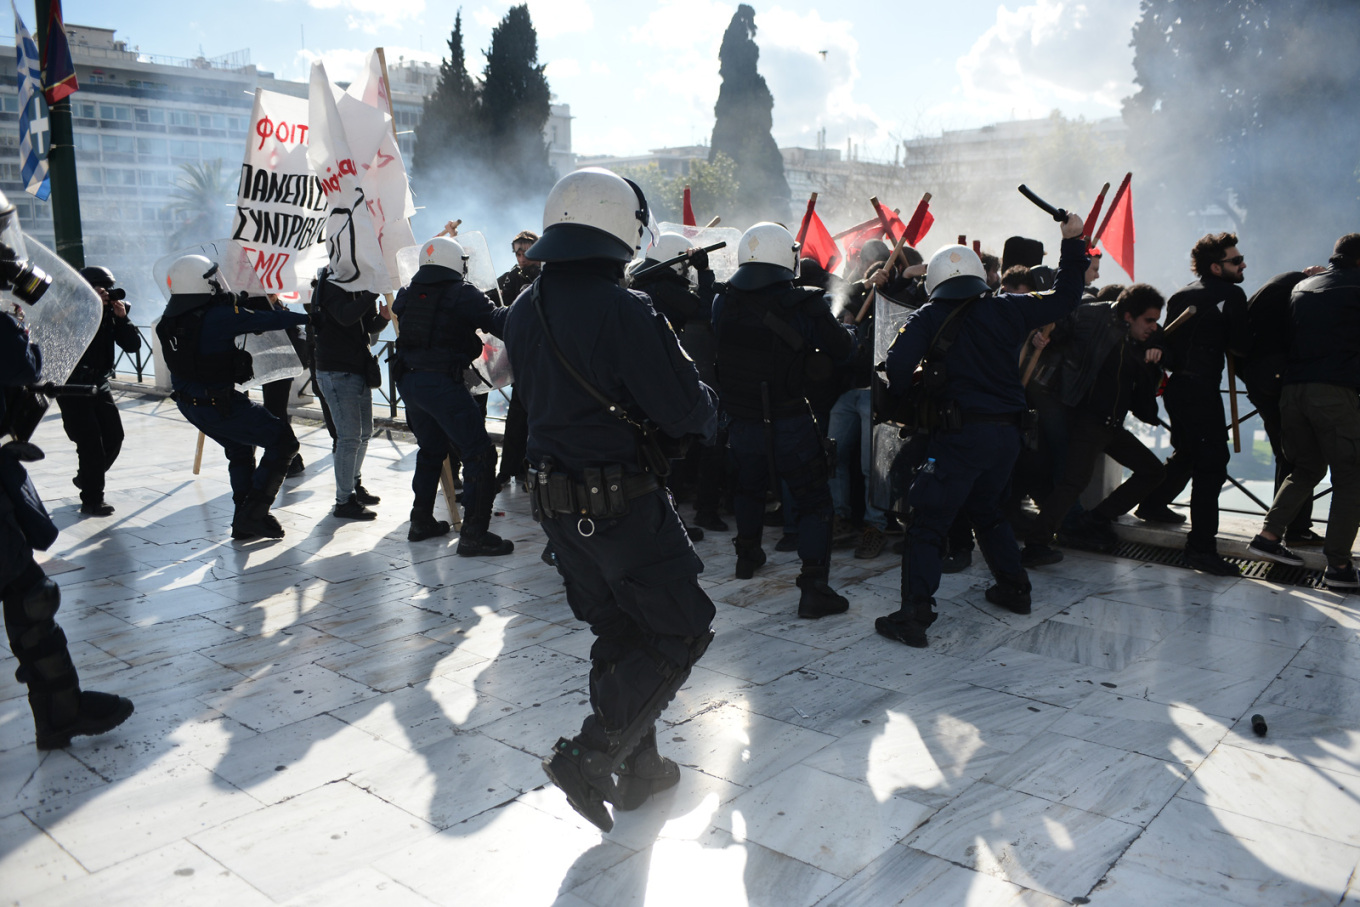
(387, 191)
(280, 203)
(354, 256)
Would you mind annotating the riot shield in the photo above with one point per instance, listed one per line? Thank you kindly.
(481, 272)
(271, 354)
(64, 321)
(723, 261)
(895, 454)
(491, 370)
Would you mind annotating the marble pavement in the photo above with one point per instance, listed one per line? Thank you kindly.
(346, 717)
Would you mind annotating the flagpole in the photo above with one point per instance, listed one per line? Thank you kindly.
(61, 164)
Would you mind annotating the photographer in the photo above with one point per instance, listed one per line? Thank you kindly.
(92, 423)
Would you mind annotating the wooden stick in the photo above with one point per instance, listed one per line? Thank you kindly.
(887, 269)
(713, 223)
(1179, 320)
(198, 453)
(1232, 405)
(450, 228)
(450, 494)
(1034, 360)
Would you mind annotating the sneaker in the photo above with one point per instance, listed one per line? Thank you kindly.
(1273, 550)
(710, 521)
(1210, 562)
(1039, 556)
(842, 531)
(788, 542)
(1159, 513)
(1343, 577)
(870, 544)
(1305, 539)
(353, 510)
(366, 497)
(96, 508)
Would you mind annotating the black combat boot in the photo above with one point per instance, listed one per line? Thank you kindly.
(585, 775)
(425, 526)
(482, 544)
(818, 598)
(908, 624)
(750, 556)
(253, 518)
(1011, 593)
(644, 773)
(60, 714)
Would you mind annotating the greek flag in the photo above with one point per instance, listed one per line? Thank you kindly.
(30, 85)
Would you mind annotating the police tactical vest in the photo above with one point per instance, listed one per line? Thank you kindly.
(433, 338)
(181, 336)
(758, 343)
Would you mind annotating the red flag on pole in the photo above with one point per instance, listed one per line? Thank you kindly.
(921, 220)
(688, 218)
(816, 239)
(1117, 230)
(59, 72)
(892, 224)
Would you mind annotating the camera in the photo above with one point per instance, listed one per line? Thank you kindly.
(116, 294)
(24, 279)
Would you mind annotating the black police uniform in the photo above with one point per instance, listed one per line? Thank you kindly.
(771, 342)
(631, 575)
(93, 423)
(61, 710)
(197, 334)
(508, 287)
(440, 315)
(1194, 404)
(970, 467)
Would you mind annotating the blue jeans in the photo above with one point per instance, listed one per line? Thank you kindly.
(351, 405)
(850, 416)
(446, 420)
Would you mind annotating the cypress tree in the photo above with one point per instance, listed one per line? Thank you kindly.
(515, 107)
(743, 119)
(449, 125)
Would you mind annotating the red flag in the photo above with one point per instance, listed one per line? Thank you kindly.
(892, 224)
(921, 220)
(688, 218)
(59, 72)
(816, 239)
(1117, 231)
(855, 239)
(860, 228)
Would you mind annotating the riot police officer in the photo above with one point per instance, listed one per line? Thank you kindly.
(61, 709)
(773, 338)
(92, 423)
(197, 334)
(605, 382)
(980, 406)
(440, 314)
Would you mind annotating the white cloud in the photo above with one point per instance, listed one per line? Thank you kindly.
(371, 15)
(558, 17)
(1050, 54)
(344, 64)
(563, 68)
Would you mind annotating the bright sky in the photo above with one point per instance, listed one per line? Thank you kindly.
(642, 75)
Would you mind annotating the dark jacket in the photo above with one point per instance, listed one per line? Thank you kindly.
(1099, 369)
(343, 325)
(96, 365)
(440, 315)
(982, 376)
(1325, 346)
(672, 296)
(1220, 325)
(1270, 321)
(223, 320)
(513, 282)
(619, 343)
(21, 509)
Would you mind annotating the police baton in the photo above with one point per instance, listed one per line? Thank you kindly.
(1059, 214)
(653, 268)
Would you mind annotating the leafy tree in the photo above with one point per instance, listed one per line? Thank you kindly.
(713, 189)
(743, 118)
(199, 204)
(1247, 105)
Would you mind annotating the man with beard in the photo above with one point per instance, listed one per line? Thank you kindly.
(1219, 327)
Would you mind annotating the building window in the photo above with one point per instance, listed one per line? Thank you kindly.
(143, 115)
(184, 150)
(117, 144)
(115, 112)
(155, 148)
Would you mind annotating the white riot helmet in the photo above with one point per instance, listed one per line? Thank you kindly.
(592, 213)
(955, 272)
(446, 253)
(195, 274)
(767, 253)
(668, 245)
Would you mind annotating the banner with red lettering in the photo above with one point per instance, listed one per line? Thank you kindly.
(280, 203)
(335, 147)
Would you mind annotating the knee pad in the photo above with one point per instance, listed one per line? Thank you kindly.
(40, 602)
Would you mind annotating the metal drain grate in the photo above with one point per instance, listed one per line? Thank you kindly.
(1252, 569)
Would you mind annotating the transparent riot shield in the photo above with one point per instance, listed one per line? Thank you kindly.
(481, 271)
(895, 452)
(271, 353)
(64, 321)
(722, 261)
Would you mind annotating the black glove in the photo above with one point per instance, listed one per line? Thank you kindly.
(699, 259)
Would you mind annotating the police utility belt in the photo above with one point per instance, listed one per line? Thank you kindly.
(605, 493)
